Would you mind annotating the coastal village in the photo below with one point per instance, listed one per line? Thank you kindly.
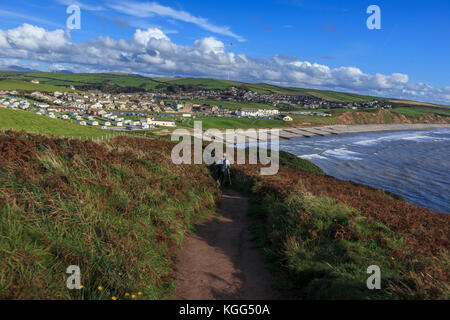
(150, 110)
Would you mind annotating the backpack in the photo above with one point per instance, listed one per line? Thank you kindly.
(223, 166)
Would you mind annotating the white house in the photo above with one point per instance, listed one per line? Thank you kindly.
(41, 105)
(93, 123)
(105, 123)
(81, 122)
(160, 123)
(247, 112)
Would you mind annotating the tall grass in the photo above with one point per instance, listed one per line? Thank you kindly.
(321, 234)
(119, 210)
(325, 248)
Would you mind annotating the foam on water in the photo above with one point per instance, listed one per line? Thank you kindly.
(343, 153)
(312, 156)
(414, 164)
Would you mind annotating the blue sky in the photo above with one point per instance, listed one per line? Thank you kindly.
(319, 44)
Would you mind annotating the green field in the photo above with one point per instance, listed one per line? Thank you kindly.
(232, 123)
(123, 80)
(30, 122)
(81, 79)
(415, 112)
(314, 120)
(10, 84)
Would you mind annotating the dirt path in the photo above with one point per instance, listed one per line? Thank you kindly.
(218, 261)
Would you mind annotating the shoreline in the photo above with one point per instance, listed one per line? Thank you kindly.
(307, 132)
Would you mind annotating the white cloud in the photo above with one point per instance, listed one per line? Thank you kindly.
(3, 40)
(150, 9)
(151, 52)
(142, 37)
(32, 38)
(209, 45)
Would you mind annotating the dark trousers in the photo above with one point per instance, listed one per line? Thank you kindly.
(222, 176)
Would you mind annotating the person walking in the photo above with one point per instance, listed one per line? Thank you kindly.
(223, 166)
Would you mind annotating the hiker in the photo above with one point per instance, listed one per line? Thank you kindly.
(223, 166)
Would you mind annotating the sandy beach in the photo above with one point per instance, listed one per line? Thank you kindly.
(342, 129)
(307, 132)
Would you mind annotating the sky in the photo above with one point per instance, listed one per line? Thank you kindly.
(323, 44)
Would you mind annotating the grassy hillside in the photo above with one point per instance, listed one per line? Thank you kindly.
(95, 79)
(118, 210)
(11, 84)
(30, 122)
(397, 115)
(321, 234)
(412, 114)
(204, 82)
(407, 103)
(416, 112)
(81, 79)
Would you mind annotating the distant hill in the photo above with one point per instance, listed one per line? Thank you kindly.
(62, 71)
(121, 82)
(86, 81)
(15, 68)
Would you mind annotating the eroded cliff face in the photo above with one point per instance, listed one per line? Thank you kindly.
(386, 116)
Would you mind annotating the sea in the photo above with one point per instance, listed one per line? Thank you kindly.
(413, 164)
